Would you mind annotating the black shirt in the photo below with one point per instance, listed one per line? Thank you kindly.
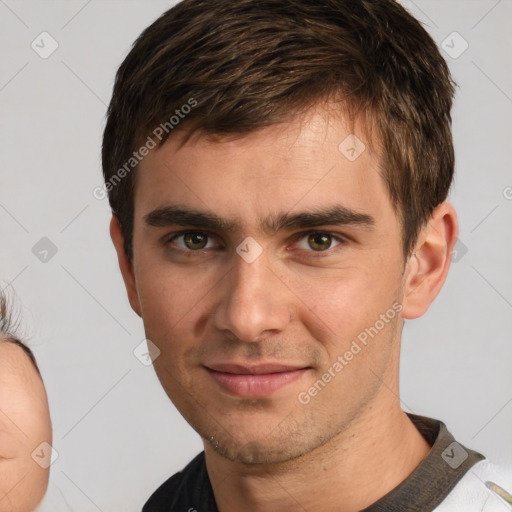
(424, 489)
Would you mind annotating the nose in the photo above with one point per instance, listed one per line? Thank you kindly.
(253, 300)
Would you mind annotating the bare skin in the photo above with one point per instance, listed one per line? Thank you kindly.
(24, 425)
(300, 303)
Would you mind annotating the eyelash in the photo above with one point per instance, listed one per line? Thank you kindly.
(298, 236)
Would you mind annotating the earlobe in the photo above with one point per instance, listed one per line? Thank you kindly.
(428, 266)
(125, 265)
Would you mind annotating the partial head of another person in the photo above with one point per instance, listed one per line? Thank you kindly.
(25, 425)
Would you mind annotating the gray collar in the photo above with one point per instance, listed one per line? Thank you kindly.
(437, 474)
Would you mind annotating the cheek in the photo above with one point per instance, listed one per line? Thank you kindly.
(172, 301)
(166, 294)
(338, 307)
(335, 296)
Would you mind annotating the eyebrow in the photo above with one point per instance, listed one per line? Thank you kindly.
(171, 215)
(335, 215)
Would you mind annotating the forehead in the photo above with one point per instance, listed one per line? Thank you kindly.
(320, 157)
(14, 359)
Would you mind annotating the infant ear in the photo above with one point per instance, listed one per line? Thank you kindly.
(428, 265)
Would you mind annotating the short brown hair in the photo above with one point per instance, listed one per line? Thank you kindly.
(248, 64)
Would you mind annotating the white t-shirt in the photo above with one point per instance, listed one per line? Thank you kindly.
(479, 490)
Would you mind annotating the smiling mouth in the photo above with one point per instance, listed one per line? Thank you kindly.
(257, 381)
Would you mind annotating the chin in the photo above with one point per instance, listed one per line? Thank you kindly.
(254, 446)
(254, 452)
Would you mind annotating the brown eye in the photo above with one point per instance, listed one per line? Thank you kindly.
(195, 240)
(319, 241)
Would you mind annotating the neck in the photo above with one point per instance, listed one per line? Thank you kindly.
(373, 455)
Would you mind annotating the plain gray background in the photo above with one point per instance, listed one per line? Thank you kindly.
(117, 435)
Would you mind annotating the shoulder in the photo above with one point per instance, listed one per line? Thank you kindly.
(183, 491)
(486, 487)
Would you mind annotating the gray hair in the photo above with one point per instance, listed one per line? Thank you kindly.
(9, 324)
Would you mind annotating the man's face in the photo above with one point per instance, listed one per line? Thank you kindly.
(286, 314)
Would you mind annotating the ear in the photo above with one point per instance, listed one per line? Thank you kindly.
(125, 265)
(428, 266)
